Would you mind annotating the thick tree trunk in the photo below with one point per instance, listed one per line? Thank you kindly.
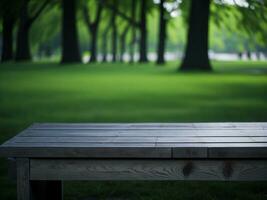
(114, 37)
(196, 54)
(70, 46)
(143, 30)
(7, 48)
(23, 46)
(132, 44)
(162, 33)
(93, 48)
(22, 43)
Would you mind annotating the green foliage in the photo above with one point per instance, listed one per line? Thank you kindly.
(46, 27)
(232, 28)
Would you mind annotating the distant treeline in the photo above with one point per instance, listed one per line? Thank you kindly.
(122, 25)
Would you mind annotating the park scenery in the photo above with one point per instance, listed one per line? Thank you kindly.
(82, 61)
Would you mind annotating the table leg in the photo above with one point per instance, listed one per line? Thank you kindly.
(23, 179)
(35, 190)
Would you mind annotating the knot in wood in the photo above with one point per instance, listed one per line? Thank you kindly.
(227, 169)
(188, 168)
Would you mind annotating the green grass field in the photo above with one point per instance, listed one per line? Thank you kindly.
(46, 92)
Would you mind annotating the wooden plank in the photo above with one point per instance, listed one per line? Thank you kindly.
(77, 145)
(85, 139)
(49, 125)
(190, 152)
(204, 139)
(88, 152)
(63, 139)
(260, 139)
(44, 141)
(108, 133)
(155, 126)
(237, 152)
(144, 133)
(179, 139)
(23, 179)
(217, 144)
(110, 126)
(225, 170)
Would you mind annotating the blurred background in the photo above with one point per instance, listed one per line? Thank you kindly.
(133, 61)
(237, 29)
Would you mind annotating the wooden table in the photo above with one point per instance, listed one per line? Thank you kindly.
(47, 154)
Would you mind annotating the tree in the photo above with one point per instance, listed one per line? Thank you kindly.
(141, 24)
(114, 33)
(8, 21)
(70, 46)
(162, 33)
(92, 26)
(143, 31)
(25, 22)
(196, 53)
(133, 27)
(123, 41)
(104, 37)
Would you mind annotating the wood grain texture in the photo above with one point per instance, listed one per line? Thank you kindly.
(23, 179)
(238, 152)
(91, 152)
(224, 170)
(140, 140)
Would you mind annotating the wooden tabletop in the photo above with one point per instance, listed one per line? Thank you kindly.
(139, 140)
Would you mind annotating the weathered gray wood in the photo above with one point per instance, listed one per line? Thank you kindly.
(234, 170)
(237, 152)
(12, 169)
(23, 179)
(216, 126)
(204, 139)
(94, 139)
(110, 151)
(142, 133)
(149, 139)
(118, 139)
(47, 190)
(190, 152)
(259, 139)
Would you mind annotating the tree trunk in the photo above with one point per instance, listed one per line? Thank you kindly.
(196, 54)
(114, 38)
(132, 44)
(104, 48)
(7, 48)
(105, 43)
(162, 33)
(93, 48)
(22, 43)
(70, 46)
(143, 30)
(122, 45)
(123, 42)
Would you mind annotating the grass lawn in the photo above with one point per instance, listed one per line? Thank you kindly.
(46, 92)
